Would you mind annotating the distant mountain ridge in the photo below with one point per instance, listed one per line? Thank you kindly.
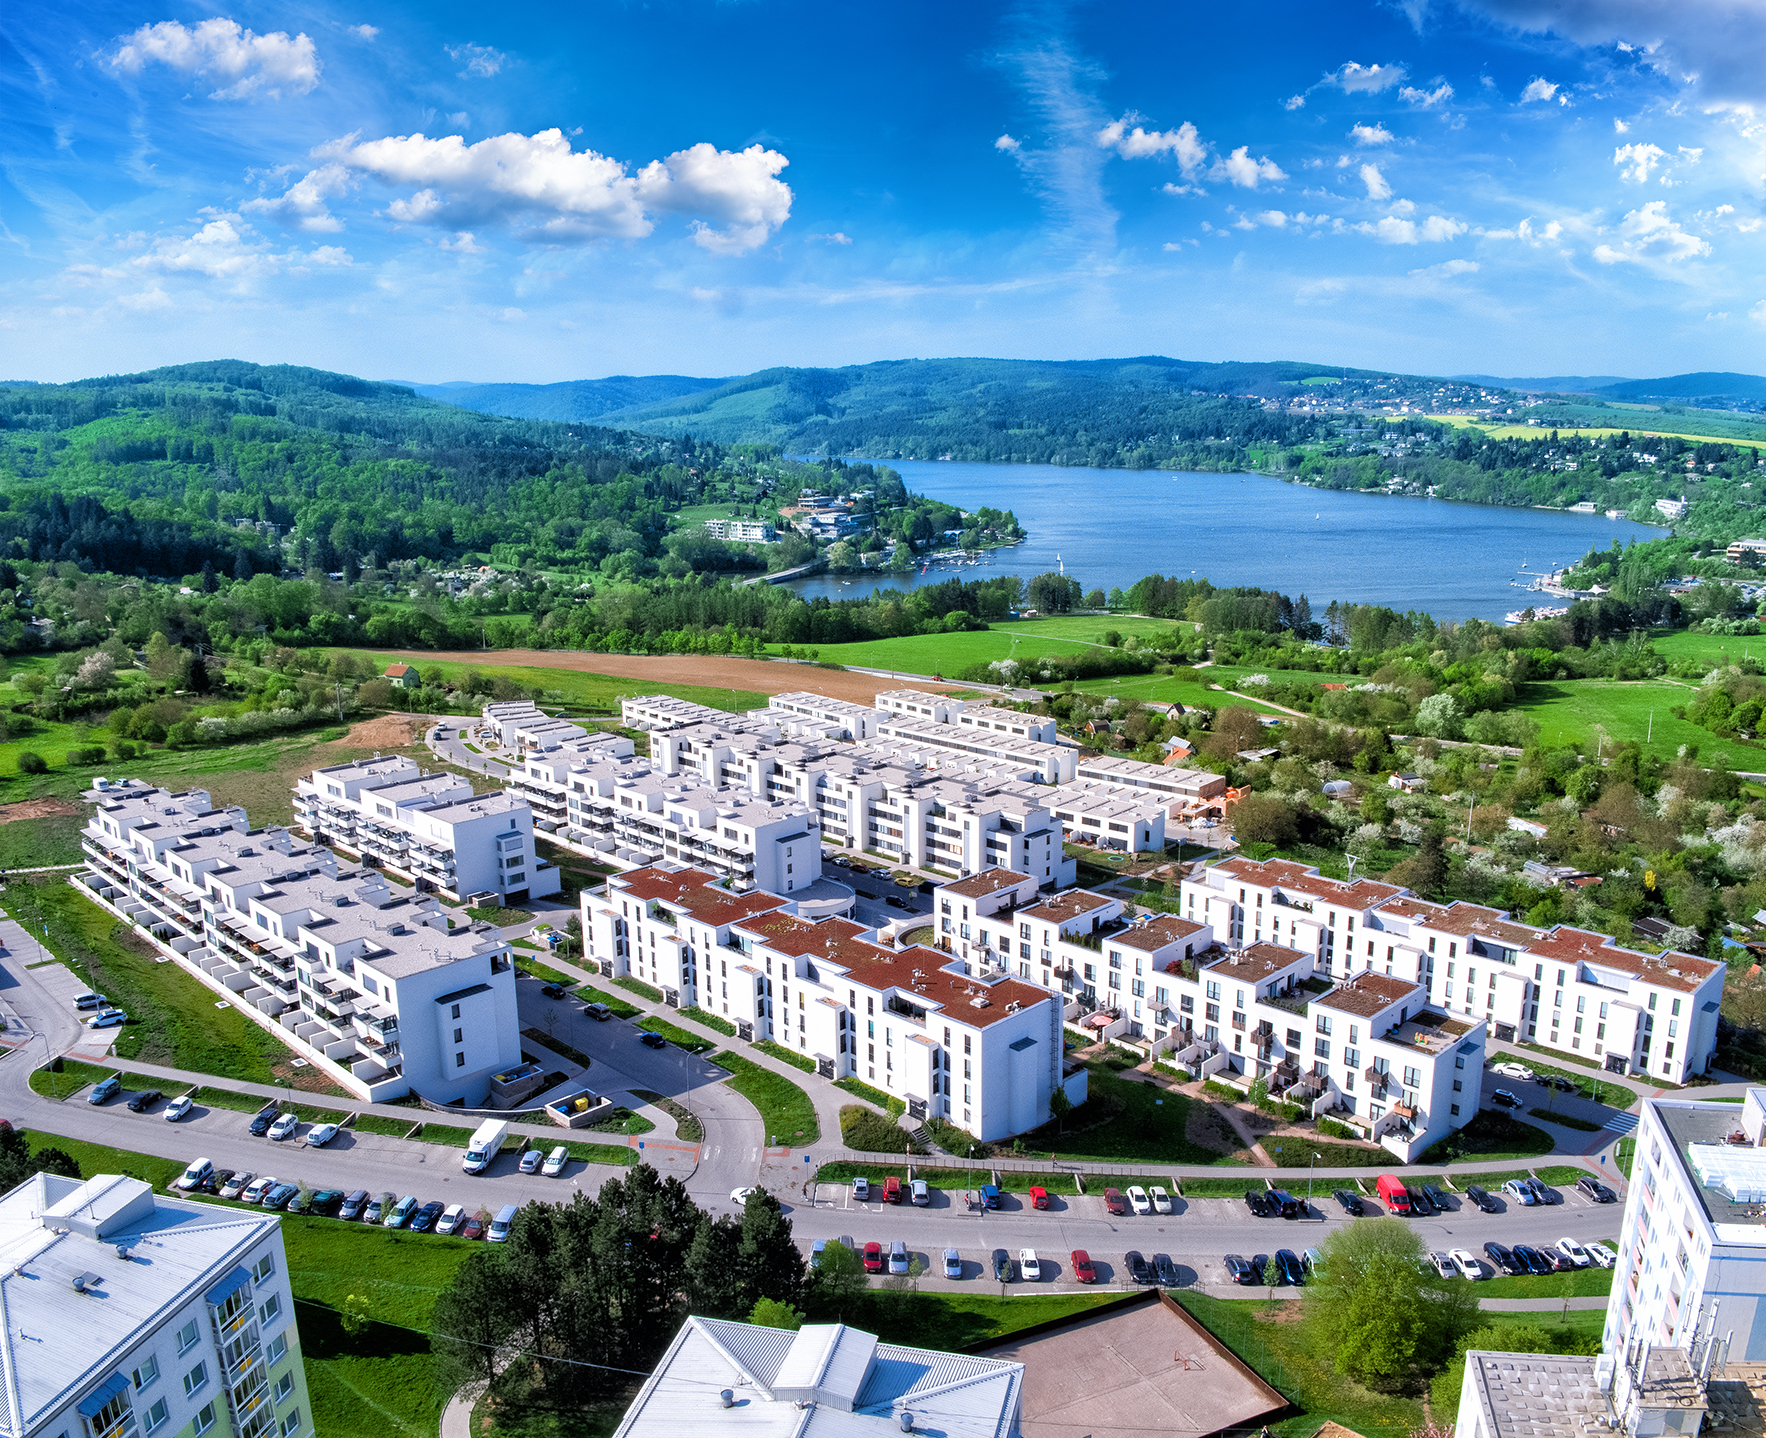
(577, 399)
(1549, 384)
(1707, 389)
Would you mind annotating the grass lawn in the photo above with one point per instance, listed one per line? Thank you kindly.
(622, 1008)
(710, 1021)
(675, 1034)
(947, 654)
(1168, 690)
(1296, 1150)
(535, 969)
(1567, 711)
(642, 990)
(1581, 1125)
(1579, 1283)
(172, 1018)
(1212, 1187)
(888, 1102)
(1709, 649)
(785, 1109)
(785, 1055)
(1280, 1354)
(870, 1132)
(1120, 1119)
(687, 1126)
(1491, 1135)
(579, 692)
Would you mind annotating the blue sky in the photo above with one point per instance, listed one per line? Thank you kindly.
(546, 192)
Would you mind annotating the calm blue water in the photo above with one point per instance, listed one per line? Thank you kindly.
(1111, 526)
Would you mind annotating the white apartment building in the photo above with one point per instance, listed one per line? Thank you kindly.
(1049, 763)
(1693, 1237)
(852, 721)
(1185, 793)
(742, 531)
(519, 725)
(595, 799)
(980, 1049)
(130, 1315)
(428, 828)
(375, 986)
(1562, 988)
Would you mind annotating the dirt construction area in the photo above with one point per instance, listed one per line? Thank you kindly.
(719, 672)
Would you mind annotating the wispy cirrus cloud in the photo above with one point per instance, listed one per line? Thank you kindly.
(481, 61)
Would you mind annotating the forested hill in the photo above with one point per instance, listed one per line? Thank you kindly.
(163, 472)
(573, 400)
(1143, 411)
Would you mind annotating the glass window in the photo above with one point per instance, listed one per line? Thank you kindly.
(187, 1336)
(147, 1373)
(268, 1311)
(278, 1346)
(205, 1420)
(284, 1386)
(156, 1416)
(291, 1422)
(263, 1268)
(195, 1378)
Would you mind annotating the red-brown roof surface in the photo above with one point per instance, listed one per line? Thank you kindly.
(836, 941)
(1164, 931)
(698, 893)
(1062, 908)
(397, 671)
(1303, 879)
(1258, 961)
(1368, 994)
(988, 881)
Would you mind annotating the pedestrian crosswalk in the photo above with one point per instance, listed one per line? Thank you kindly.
(1622, 1122)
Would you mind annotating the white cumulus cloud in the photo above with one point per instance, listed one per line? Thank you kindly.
(573, 195)
(364, 32)
(1650, 236)
(1395, 230)
(1538, 89)
(1619, 126)
(1447, 269)
(1636, 161)
(481, 61)
(302, 205)
(1377, 188)
(247, 65)
(1371, 135)
(1183, 144)
(1247, 173)
(1426, 99)
(1294, 102)
(1006, 142)
(1359, 79)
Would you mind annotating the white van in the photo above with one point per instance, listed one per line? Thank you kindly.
(499, 1229)
(199, 1173)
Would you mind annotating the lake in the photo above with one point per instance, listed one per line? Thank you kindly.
(1109, 527)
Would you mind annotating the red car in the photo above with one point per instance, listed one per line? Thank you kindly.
(472, 1228)
(892, 1190)
(1114, 1201)
(873, 1258)
(1082, 1267)
(1039, 1198)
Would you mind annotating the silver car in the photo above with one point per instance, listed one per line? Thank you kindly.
(953, 1263)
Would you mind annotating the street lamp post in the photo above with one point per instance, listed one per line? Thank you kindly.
(1310, 1162)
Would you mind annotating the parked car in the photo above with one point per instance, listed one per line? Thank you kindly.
(873, 1257)
(378, 1207)
(990, 1196)
(199, 1171)
(530, 1161)
(920, 1193)
(1483, 1199)
(1561, 1084)
(254, 1191)
(400, 1213)
(953, 1263)
(426, 1217)
(1443, 1264)
(281, 1195)
(501, 1222)
(1138, 1200)
(1601, 1254)
(1039, 1196)
(144, 1100)
(861, 1188)
(598, 1011)
(327, 1201)
(1554, 1261)
(471, 1227)
(898, 1257)
(1544, 1192)
(892, 1189)
(1165, 1270)
(261, 1121)
(1029, 1268)
(553, 991)
(651, 1039)
(178, 1107)
(107, 1019)
(1139, 1270)
(285, 1127)
(1284, 1205)
(236, 1184)
(1114, 1202)
(1420, 1206)
(1257, 1200)
(90, 1001)
(1575, 1252)
(1521, 1192)
(1084, 1270)
(1502, 1098)
(1161, 1199)
(321, 1134)
(1502, 1259)
(301, 1202)
(1002, 1266)
(217, 1180)
(1509, 1069)
(1237, 1270)
(105, 1090)
(1535, 1260)
(556, 1162)
(740, 1196)
(353, 1203)
(1312, 1260)
(1467, 1264)
(1591, 1187)
(1287, 1262)
(1437, 1199)
(1350, 1201)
